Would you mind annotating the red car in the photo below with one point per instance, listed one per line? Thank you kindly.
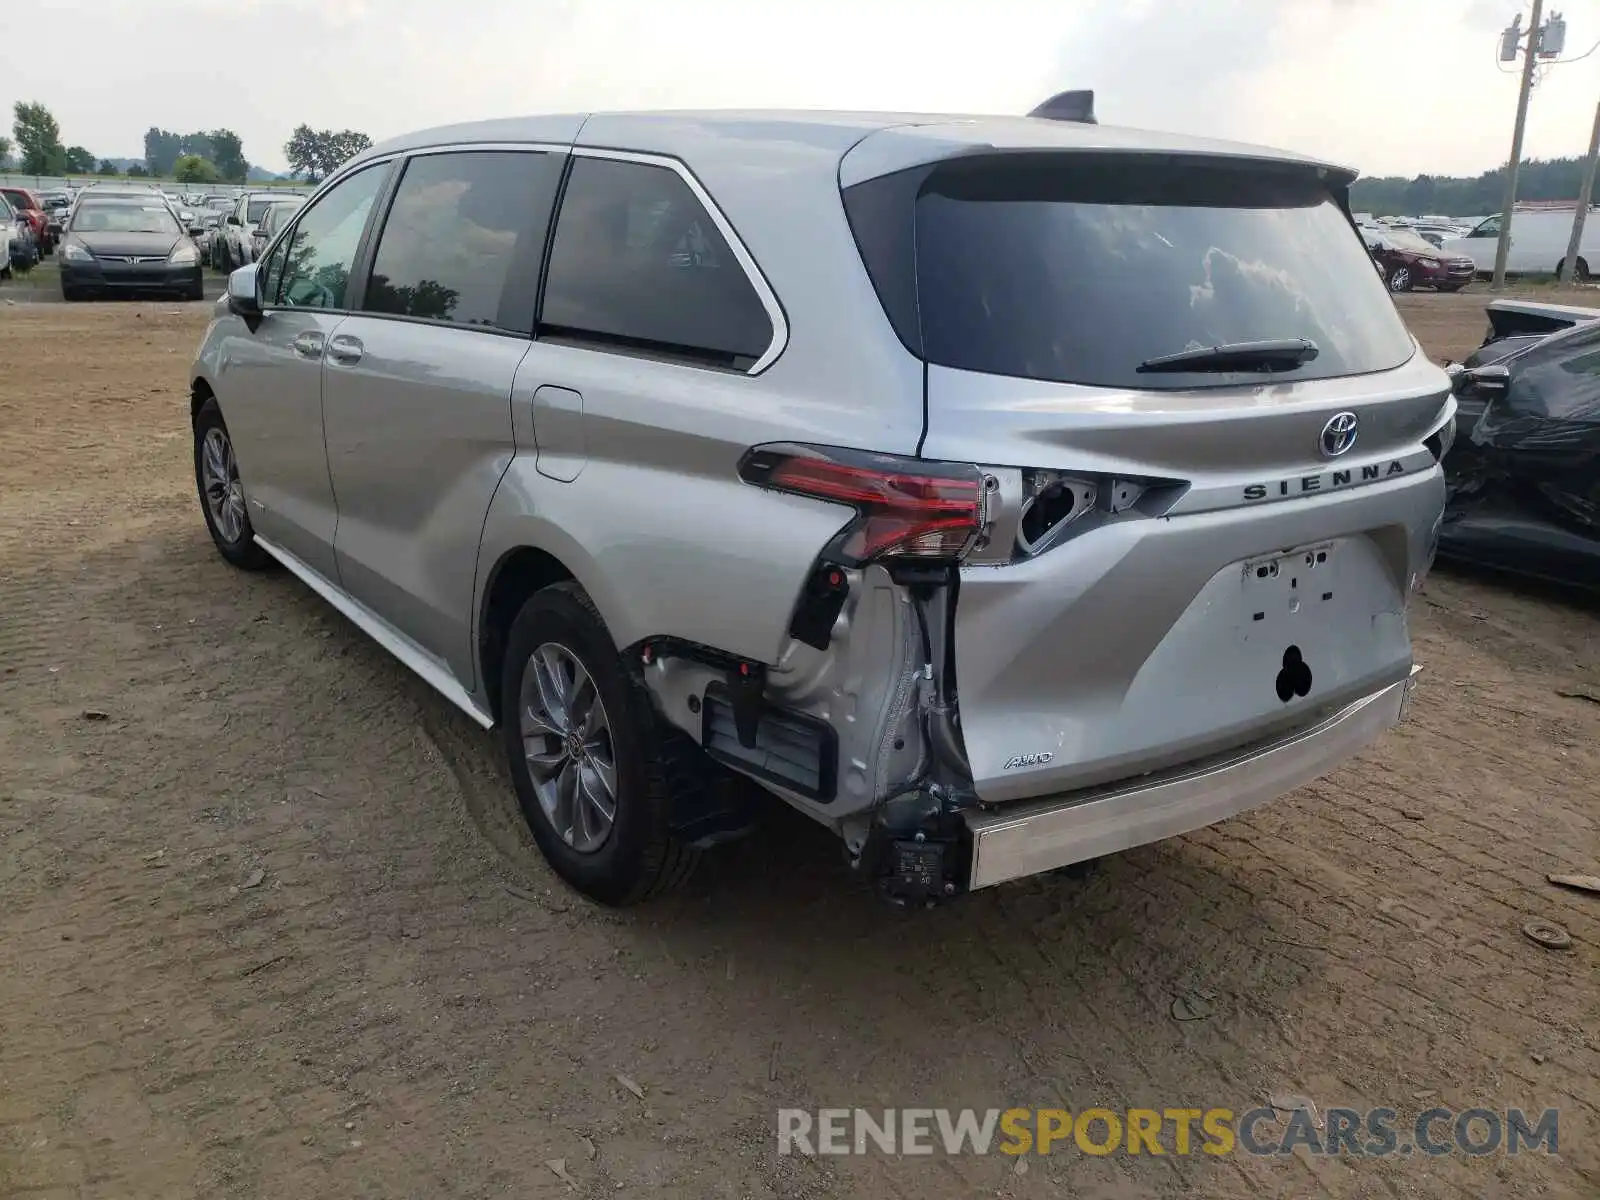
(1408, 260)
(28, 207)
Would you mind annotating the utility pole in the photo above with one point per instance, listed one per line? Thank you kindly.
(1569, 261)
(1529, 61)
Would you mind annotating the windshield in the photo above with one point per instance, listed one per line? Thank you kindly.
(277, 215)
(1404, 239)
(1077, 269)
(124, 218)
(256, 209)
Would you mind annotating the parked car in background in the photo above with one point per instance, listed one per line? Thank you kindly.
(278, 214)
(1524, 474)
(1436, 235)
(25, 203)
(127, 245)
(1539, 239)
(1408, 262)
(239, 226)
(12, 230)
(56, 205)
(691, 444)
(210, 221)
(24, 250)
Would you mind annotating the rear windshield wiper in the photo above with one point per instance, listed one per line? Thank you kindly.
(1281, 354)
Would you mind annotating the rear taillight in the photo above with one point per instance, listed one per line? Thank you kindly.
(906, 508)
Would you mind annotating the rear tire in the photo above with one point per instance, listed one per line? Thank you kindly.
(216, 468)
(1580, 269)
(637, 856)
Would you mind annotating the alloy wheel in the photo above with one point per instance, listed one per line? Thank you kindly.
(219, 474)
(566, 740)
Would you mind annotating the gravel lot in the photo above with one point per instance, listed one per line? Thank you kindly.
(268, 927)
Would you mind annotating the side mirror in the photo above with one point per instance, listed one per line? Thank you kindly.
(244, 294)
(196, 230)
(234, 220)
(1490, 380)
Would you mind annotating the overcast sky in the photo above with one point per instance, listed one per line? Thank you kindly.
(1387, 86)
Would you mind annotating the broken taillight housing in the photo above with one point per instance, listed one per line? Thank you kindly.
(906, 508)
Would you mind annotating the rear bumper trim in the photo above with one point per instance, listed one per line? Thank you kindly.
(1032, 836)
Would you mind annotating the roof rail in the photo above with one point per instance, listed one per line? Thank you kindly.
(1068, 106)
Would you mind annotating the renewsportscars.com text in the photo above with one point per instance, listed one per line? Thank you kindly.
(1261, 1132)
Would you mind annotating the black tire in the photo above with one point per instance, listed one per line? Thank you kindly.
(198, 292)
(1580, 269)
(70, 294)
(639, 857)
(219, 258)
(1400, 279)
(241, 551)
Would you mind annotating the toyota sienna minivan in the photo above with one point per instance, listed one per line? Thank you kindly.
(999, 492)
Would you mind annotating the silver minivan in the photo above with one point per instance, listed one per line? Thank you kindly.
(999, 492)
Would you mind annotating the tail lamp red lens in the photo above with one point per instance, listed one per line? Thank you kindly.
(906, 508)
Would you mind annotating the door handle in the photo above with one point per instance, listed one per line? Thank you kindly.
(345, 350)
(308, 345)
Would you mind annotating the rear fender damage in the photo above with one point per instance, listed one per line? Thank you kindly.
(875, 703)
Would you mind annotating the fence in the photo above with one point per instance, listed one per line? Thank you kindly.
(54, 183)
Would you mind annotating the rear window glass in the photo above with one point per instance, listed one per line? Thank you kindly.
(1079, 271)
(638, 263)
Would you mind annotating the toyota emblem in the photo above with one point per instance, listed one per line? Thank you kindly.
(1338, 435)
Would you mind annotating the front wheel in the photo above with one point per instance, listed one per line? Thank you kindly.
(1400, 279)
(592, 765)
(216, 473)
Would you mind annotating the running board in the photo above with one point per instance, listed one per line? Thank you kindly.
(375, 627)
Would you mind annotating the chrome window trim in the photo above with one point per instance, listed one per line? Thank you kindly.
(758, 281)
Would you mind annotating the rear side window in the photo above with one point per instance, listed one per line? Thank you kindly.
(463, 239)
(638, 263)
(1079, 269)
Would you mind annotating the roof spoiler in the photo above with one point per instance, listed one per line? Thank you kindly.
(1068, 106)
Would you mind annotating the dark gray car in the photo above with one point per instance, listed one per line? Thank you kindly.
(128, 245)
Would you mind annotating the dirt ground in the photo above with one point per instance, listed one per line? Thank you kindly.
(268, 927)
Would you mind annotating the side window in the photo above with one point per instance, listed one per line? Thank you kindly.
(1488, 227)
(463, 239)
(638, 263)
(319, 252)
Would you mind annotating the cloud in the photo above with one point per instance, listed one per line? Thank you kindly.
(1388, 85)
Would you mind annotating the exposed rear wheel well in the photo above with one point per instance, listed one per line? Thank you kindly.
(199, 392)
(518, 575)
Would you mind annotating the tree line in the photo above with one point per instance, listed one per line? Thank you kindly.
(207, 156)
(1452, 196)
